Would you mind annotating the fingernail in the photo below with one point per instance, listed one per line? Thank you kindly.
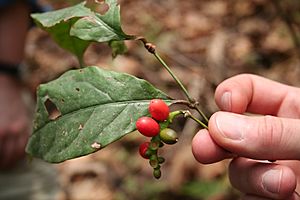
(271, 180)
(226, 101)
(231, 126)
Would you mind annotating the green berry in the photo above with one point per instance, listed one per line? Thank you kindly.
(168, 136)
(161, 160)
(154, 145)
(153, 161)
(157, 173)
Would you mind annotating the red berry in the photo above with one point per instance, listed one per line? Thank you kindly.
(158, 109)
(143, 149)
(147, 126)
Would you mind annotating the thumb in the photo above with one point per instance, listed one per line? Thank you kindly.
(256, 137)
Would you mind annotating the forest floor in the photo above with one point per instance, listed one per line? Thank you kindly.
(204, 42)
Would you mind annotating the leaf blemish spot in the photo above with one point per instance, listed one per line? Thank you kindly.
(80, 127)
(77, 89)
(96, 145)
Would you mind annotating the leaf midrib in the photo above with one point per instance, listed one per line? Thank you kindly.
(126, 102)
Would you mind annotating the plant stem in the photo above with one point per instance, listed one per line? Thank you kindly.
(201, 113)
(81, 62)
(194, 106)
(190, 99)
(174, 76)
(192, 102)
(189, 114)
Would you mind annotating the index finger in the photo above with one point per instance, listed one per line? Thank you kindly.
(255, 94)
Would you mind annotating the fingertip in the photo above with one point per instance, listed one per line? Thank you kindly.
(232, 96)
(288, 183)
(205, 150)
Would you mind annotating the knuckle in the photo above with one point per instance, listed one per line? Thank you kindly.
(270, 130)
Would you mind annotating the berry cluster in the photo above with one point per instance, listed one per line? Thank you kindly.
(156, 127)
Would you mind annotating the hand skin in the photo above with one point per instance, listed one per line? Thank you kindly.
(14, 23)
(272, 134)
(15, 122)
(14, 117)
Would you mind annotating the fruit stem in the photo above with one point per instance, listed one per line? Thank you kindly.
(174, 114)
(190, 99)
(194, 106)
(189, 114)
(173, 76)
(201, 113)
(152, 49)
(81, 62)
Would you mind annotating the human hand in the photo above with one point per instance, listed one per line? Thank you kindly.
(250, 139)
(14, 122)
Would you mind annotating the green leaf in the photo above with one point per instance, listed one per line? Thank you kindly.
(74, 28)
(59, 23)
(118, 48)
(101, 28)
(93, 108)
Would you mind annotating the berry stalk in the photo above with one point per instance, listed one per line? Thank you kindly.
(189, 114)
